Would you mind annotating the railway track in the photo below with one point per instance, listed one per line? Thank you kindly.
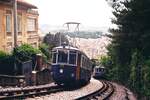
(32, 91)
(23, 92)
(102, 94)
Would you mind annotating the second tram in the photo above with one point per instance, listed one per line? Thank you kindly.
(99, 72)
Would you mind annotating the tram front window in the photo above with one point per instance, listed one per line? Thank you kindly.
(72, 58)
(62, 57)
(54, 57)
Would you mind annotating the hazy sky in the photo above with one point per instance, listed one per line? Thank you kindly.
(94, 13)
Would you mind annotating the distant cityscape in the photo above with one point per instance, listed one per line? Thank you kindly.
(45, 28)
(90, 40)
(93, 48)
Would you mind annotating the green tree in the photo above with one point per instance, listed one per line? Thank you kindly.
(130, 44)
(146, 79)
(53, 40)
(46, 50)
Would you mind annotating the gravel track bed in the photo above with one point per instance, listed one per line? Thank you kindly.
(69, 95)
(120, 93)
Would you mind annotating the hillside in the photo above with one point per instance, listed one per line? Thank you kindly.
(85, 34)
(93, 48)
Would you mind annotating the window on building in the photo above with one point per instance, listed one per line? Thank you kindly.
(8, 24)
(31, 24)
(19, 43)
(19, 25)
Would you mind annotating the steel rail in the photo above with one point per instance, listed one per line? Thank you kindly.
(23, 92)
(102, 94)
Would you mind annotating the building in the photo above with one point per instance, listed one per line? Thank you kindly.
(27, 17)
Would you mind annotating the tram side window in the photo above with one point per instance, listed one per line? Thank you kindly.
(82, 61)
(72, 58)
(62, 57)
(97, 70)
(54, 57)
(88, 65)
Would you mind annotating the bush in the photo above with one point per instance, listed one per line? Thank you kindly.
(3, 55)
(6, 63)
(25, 52)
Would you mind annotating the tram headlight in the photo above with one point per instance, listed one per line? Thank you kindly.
(51, 73)
(61, 71)
(72, 75)
(21, 80)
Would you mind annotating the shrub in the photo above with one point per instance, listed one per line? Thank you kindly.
(3, 55)
(6, 63)
(25, 52)
(45, 49)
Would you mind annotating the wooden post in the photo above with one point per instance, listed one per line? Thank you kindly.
(39, 60)
(15, 22)
(33, 78)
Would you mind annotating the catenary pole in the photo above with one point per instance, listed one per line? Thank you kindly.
(15, 22)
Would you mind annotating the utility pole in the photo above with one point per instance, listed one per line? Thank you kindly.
(76, 29)
(15, 29)
(15, 22)
(60, 38)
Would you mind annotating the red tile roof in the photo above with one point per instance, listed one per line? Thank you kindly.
(24, 3)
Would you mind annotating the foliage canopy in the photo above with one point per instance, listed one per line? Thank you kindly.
(129, 50)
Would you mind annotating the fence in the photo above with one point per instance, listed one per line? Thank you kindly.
(43, 77)
(7, 80)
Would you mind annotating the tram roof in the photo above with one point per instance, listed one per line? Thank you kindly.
(100, 66)
(69, 48)
(66, 47)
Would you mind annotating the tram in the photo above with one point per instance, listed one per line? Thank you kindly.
(99, 71)
(70, 65)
